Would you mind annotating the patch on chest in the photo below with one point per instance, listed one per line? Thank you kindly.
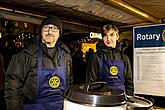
(113, 70)
(54, 81)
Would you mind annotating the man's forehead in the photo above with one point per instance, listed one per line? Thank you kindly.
(51, 25)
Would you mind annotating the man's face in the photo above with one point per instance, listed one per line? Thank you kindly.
(110, 38)
(50, 35)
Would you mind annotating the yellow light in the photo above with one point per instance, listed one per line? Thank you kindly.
(0, 35)
(134, 9)
(86, 46)
(7, 9)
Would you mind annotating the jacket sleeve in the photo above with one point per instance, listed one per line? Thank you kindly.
(13, 84)
(68, 62)
(92, 69)
(2, 73)
(128, 77)
(69, 70)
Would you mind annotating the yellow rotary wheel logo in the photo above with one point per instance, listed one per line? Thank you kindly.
(113, 70)
(54, 81)
(163, 35)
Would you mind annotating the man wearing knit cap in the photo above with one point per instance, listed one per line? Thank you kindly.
(38, 76)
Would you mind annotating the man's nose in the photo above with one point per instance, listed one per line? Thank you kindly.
(50, 31)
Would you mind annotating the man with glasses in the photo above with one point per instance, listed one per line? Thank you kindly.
(38, 76)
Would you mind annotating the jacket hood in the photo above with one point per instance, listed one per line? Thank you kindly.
(63, 46)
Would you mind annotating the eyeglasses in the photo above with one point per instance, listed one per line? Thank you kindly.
(53, 28)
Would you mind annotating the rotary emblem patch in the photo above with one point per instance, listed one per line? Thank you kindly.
(113, 70)
(54, 81)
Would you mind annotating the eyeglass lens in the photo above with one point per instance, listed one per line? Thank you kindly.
(53, 28)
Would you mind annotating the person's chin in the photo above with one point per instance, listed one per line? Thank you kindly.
(108, 45)
(48, 42)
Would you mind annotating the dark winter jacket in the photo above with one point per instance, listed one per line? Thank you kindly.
(21, 75)
(93, 66)
(2, 73)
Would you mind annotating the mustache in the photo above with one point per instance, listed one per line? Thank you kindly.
(49, 35)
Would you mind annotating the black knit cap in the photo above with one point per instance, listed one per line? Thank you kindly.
(51, 19)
